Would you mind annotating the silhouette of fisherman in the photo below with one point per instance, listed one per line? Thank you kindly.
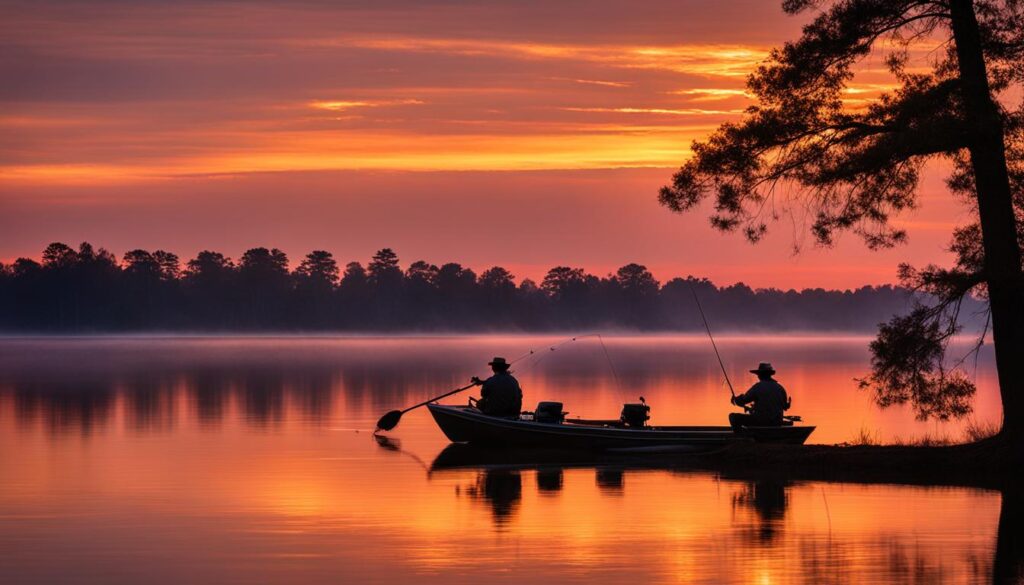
(500, 394)
(768, 397)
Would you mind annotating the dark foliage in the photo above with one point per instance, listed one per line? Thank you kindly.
(907, 359)
(90, 291)
(802, 151)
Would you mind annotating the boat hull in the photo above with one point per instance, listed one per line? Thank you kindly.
(462, 424)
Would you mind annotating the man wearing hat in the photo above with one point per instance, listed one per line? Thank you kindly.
(768, 397)
(500, 394)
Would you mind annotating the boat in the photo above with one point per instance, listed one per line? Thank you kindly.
(466, 424)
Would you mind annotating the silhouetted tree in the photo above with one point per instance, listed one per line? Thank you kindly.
(209, 285)
(354, 295)
(498, 295)
(384, 272)
(263, 276)
(88, 290)
(421, 294)
(27, 308)
(141, 264)
(457, 291)
(209, 266)
(385, 280)
(534, 310)
(316, 278)
(573, 292)
(6, 293)
(95, 276)
(318, 268)
(59, 255)
(637, 288)
(562, 281)
(142, 276)
(55, 286)
(170, 265)
(497, 278)
(857, 168)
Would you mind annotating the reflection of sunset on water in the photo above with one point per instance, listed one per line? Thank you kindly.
(255, 454)
(349, 382)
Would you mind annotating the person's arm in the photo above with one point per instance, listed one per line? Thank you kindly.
(484, 385)
(742, 399)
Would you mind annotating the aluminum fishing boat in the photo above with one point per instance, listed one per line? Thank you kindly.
(466, 424)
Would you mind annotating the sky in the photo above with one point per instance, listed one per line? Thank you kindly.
(524, 133)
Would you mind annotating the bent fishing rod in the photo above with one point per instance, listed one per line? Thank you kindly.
(712, 338)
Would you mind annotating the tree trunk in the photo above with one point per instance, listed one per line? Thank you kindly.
(1002, 264)
(1008, 561)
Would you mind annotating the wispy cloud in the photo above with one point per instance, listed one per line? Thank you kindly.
(599, 82)
(711, 60)
(341, 105)
(710, 94)
(669, 111)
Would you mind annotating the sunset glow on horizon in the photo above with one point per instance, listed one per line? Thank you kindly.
(351, 127)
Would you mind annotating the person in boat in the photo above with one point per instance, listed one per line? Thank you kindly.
(500, 394)
(767, 397)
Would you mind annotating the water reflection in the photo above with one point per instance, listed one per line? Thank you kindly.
(71, 408)
(549, 481)
(500, 490)
(258, 380)
(764, 539)
(765, 502)
(217, 460)
(610, 481)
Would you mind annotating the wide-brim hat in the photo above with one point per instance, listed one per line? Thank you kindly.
(498, 362)
(763, 368)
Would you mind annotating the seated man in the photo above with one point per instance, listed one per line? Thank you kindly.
(500, 394)
(768, 397)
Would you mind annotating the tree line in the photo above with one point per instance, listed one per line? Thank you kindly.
(90, 290)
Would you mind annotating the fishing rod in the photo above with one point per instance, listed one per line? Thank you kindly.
(555, 348)
(712, 338)
(550, 348)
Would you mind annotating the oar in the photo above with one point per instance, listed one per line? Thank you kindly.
(390, 420)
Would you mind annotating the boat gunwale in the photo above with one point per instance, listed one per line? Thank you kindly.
(690, 434)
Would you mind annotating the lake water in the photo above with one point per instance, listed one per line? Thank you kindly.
(224, 460)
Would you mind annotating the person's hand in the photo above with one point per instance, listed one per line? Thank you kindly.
(476, 381)
(733, 400)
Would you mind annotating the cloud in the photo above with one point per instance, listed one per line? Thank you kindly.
(342, 105)
(600, 82)
(710, 60)
(671, 112)
(711, 94)
(116, 110)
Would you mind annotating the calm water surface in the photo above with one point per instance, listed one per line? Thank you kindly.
(205, 460)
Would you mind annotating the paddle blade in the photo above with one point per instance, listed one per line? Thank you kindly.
(389, 420)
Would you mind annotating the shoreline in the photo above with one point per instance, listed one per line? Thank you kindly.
(987, 464)
(984, 465)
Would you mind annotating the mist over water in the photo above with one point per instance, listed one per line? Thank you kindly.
(169, 460)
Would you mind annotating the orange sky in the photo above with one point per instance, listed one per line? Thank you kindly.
(522, 133)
